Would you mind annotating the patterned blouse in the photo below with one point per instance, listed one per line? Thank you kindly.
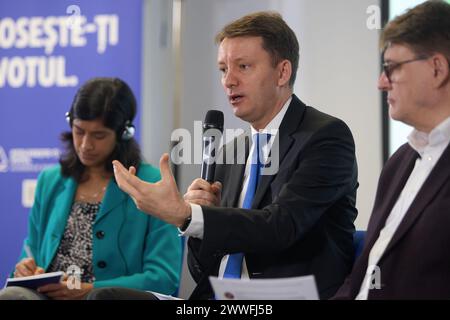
(75, 247)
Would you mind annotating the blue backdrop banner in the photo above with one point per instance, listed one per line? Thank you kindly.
(48, 48)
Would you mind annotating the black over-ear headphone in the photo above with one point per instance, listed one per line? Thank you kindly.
(68, 117)
(128, 131)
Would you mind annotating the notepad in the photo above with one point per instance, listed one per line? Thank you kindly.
(34, 282)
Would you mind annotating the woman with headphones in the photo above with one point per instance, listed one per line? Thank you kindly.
(82, 223)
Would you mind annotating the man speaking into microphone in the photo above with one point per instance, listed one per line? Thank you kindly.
(249, 224)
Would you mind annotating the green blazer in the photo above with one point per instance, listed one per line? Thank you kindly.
(130, 248)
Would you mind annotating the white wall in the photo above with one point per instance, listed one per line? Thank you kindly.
(157, 79)
(339, 66)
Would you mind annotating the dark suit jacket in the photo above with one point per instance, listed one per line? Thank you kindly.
(416, 263)
(301, 221)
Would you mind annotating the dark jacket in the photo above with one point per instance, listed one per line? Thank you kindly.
(416, 263)
(301, 221)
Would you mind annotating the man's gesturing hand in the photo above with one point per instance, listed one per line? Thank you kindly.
(160, 199)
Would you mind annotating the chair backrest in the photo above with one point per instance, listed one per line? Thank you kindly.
(358, 242)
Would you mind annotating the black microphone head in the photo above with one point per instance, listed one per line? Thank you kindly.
(213, 120)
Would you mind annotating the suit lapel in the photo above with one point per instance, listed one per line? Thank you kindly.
(392, 192)
(387, 193)
(289, 125)
(58, 220)
(237, 172)
(438, 176)
(112, 199)
(63, 204)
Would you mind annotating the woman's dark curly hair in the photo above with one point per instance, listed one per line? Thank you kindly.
(112, 101)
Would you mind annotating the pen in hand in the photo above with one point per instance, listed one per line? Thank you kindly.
(28, 251)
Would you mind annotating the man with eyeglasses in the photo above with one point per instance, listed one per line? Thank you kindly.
(406, 250)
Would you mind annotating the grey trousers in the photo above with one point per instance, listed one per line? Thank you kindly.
(19, 293)
(115, 293)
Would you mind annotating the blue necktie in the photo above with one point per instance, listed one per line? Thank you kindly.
(233, 268)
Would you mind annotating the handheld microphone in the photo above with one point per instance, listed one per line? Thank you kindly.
(212, 133)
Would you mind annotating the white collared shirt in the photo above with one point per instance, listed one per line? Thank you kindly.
(430, 148)
(196, 226)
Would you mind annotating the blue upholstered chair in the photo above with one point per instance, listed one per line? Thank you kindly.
(358, 242)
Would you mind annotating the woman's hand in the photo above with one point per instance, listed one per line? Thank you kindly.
(27, 267)
(61, 291)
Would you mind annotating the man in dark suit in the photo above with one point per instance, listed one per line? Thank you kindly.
(299, 219)
(406, 251)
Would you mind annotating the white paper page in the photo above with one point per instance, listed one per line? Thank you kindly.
(298, 288)
(161, 296)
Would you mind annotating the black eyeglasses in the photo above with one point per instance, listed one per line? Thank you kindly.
(388, 68)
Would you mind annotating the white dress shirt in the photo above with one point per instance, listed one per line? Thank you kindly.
(195, 228)
(430, 148)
